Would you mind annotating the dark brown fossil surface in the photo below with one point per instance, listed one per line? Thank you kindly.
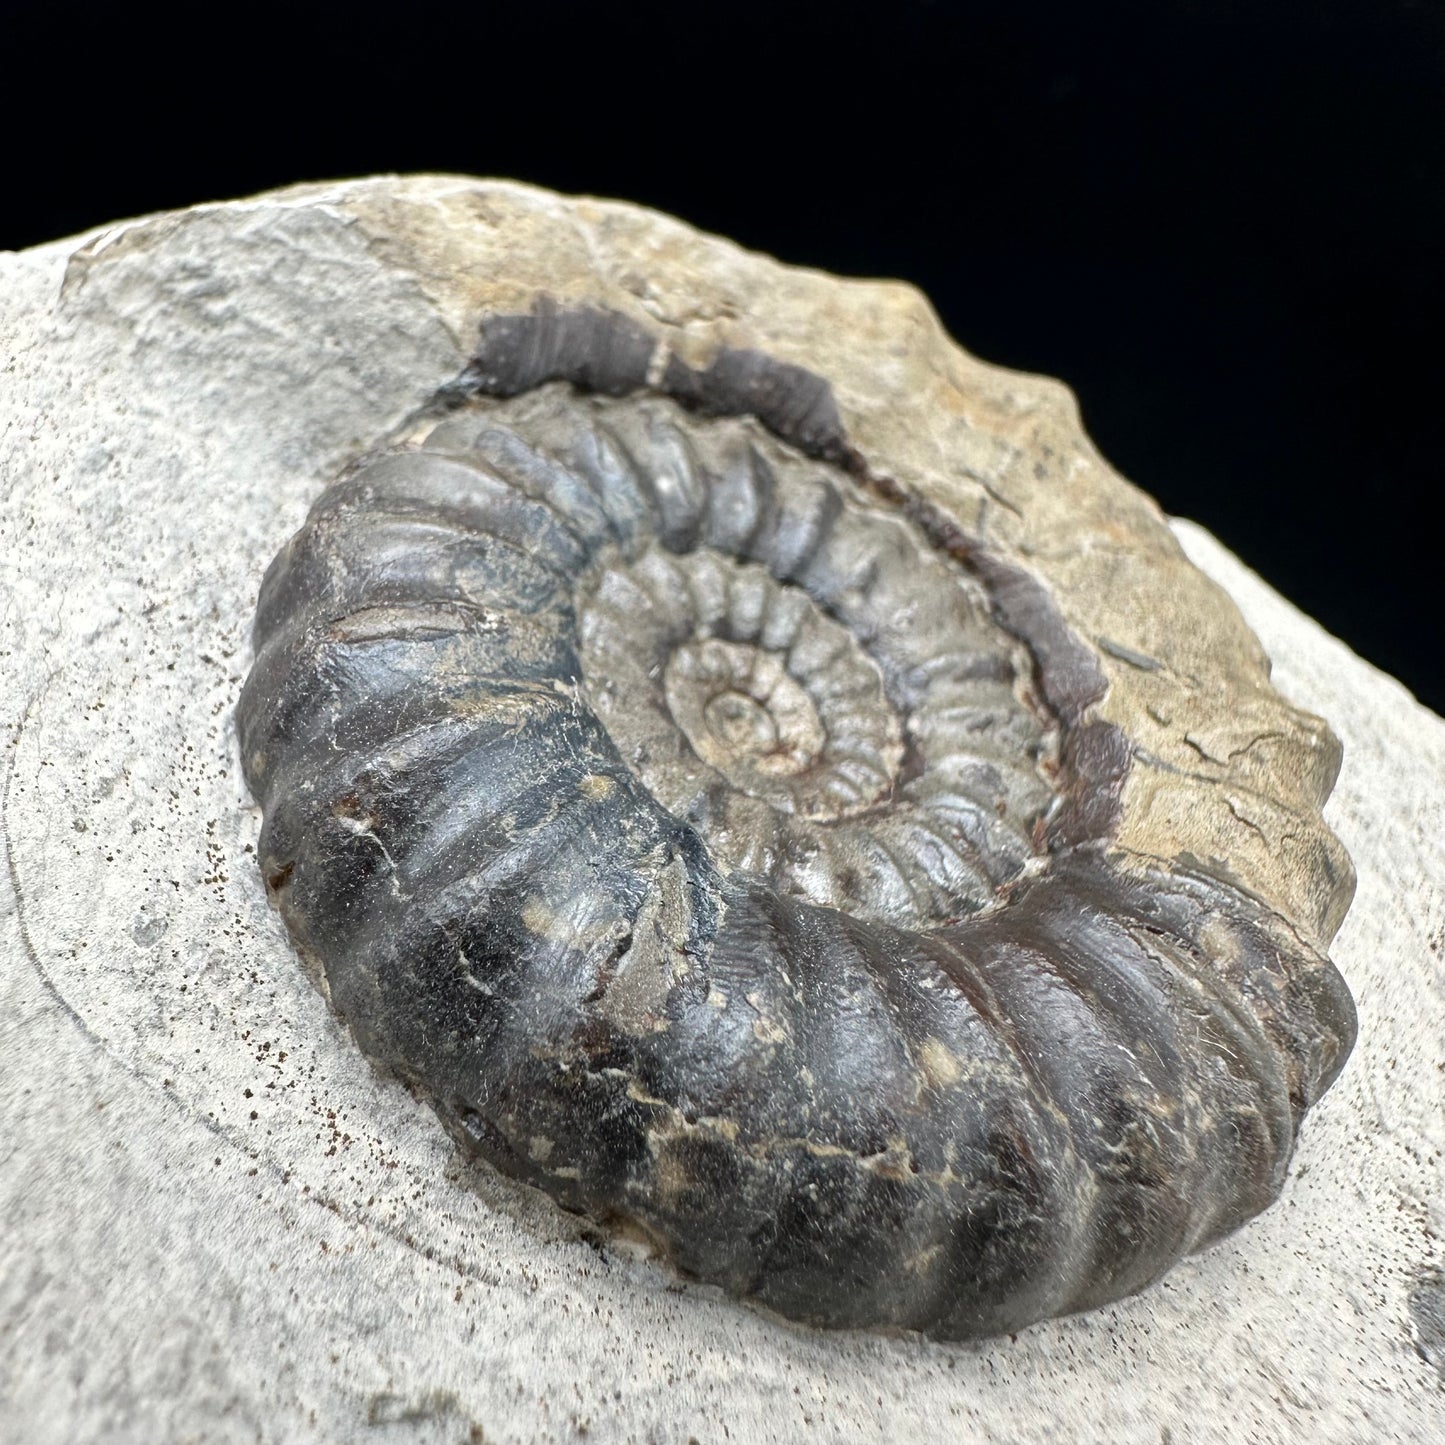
(737, 836)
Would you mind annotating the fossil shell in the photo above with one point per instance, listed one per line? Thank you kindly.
(737, 836)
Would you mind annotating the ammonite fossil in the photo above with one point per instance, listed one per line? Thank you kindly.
(733, 838)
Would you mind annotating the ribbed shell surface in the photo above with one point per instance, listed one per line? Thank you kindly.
(725, 850)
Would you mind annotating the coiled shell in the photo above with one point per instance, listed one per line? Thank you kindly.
(732, 844)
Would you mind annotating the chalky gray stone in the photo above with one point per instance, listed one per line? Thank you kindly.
(217, 1223)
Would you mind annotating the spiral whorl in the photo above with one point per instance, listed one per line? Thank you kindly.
(720, 839)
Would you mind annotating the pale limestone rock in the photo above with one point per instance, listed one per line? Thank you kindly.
(173, 392)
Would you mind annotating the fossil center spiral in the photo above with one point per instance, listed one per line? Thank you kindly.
(741, 711)
(713, 677)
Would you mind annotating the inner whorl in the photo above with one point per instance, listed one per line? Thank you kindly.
(788, 667)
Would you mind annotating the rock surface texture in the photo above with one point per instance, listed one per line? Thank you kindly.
(219, 1223)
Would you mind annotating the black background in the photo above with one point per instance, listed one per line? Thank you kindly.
(1222, 223)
